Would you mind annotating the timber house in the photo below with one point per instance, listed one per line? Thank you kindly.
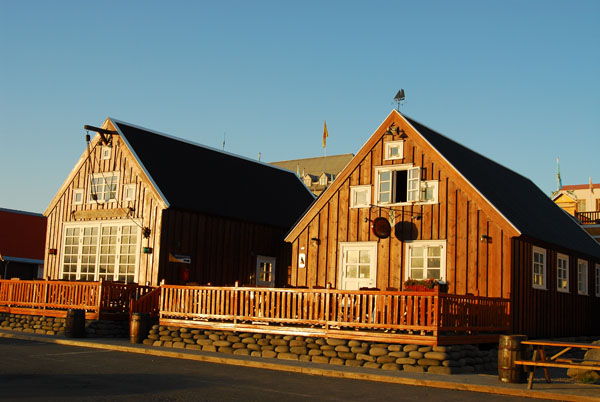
(143, 207)
(413, 204)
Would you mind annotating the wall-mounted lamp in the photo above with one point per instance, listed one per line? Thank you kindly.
(416, 217)
(485, 237)
(147, 250)
(52, 251)
(395, 130)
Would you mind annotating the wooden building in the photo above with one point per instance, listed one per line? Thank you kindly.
(22, 237)
(443, 211)
(141, 206)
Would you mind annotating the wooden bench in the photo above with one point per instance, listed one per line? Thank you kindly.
(539, 358)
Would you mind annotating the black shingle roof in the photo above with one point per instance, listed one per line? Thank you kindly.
(534, 214)
(198, 178)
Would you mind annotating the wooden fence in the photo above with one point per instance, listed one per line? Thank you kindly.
(54, 298)
(391, 316)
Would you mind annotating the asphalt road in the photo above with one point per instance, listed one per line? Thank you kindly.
(35, 371)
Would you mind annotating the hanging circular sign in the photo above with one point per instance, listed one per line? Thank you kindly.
(381, 228)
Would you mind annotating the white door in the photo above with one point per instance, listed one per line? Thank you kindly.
(265, 271)
(358, 265)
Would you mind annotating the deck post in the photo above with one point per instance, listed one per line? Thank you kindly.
(235, 302)
(99, 301)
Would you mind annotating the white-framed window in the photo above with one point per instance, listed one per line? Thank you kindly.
(107, 250)
(398, 184)
(582, 277)
(539, 268)
(426, 259)
(360, 196)
(562, 272)
(105, 153)
(103, 187)
(429, 192)
(129, 192)
(78, 196)
(394, 150)
(358, 265)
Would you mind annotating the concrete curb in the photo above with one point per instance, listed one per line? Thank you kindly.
(455, 382)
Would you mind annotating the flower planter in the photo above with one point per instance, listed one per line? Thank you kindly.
(422, 288)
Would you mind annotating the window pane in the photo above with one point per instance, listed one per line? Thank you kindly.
(433, 273)
(433, 263)
(352, 256)
(416, 262)
(351, 271)
(365, 256)
(416, 273)
(365, 271)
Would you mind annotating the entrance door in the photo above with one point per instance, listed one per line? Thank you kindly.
(265, 271)
(358, 265)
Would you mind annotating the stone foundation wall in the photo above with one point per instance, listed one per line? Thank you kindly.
(416, 358)
(56, 326)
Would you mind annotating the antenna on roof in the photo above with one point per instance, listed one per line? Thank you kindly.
(399, 99)
(223, 141)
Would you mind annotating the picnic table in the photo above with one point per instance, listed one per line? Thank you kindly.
(540, 359)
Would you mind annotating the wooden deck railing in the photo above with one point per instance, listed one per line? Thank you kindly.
(54, 298)
(333, 311)
(588, 218)
(148, 303)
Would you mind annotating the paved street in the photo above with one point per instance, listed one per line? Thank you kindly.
(40, 371)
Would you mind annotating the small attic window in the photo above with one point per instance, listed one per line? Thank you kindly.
(78, 196)
(394, 150)
(129, 192)
(105, 153)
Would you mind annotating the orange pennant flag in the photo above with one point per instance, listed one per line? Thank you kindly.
(325, 134)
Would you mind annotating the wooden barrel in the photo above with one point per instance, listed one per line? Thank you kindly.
(509, 350)
(75, 323)
(139, 327)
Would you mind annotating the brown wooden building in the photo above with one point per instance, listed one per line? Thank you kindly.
(141, 206)
(452, 215)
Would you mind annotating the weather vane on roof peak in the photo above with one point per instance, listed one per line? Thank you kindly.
(399, 99)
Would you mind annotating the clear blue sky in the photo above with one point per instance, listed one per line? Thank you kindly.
(517, 81)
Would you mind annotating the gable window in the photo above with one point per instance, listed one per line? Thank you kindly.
(397, 184)
(360, 196)
(105, 153)
(103, 187)
(429, 191)
(562, 273)
(597, 280)
(426, 260)
(539, 268)
(78, 196)
(100, 251)
(129, 192)
(582, 277)
(394, 150)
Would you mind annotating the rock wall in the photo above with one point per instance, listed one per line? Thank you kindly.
(56, 326)
(416, 358)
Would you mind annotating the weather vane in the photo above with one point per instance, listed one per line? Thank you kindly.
(399, 99)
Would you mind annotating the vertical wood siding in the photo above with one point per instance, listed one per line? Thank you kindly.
(222, 250)
(146, 208)
(548, 312)
(472, 266)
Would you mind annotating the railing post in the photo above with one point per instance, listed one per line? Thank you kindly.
(99, 301)
(327, 304)
(437, 315)
(235, 302)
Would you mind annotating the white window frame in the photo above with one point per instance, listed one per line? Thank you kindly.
(365, 245)
(129, 191)
(388, 146)
(78, 193)
(425, 243)
(541, 268)
(559, 273)
(597, 280)
(105, 153)
(434, 184)
(582, 277)
(99, 225)
(413, 184)
(355, 191)
(104, 178)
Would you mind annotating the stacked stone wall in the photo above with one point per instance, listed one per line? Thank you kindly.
(414, 358)
(56, 326)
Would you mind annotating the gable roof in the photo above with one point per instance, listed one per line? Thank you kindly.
(198, 178)
(315, 166)
(535, 215)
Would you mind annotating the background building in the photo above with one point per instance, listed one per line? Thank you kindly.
(22, 236)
